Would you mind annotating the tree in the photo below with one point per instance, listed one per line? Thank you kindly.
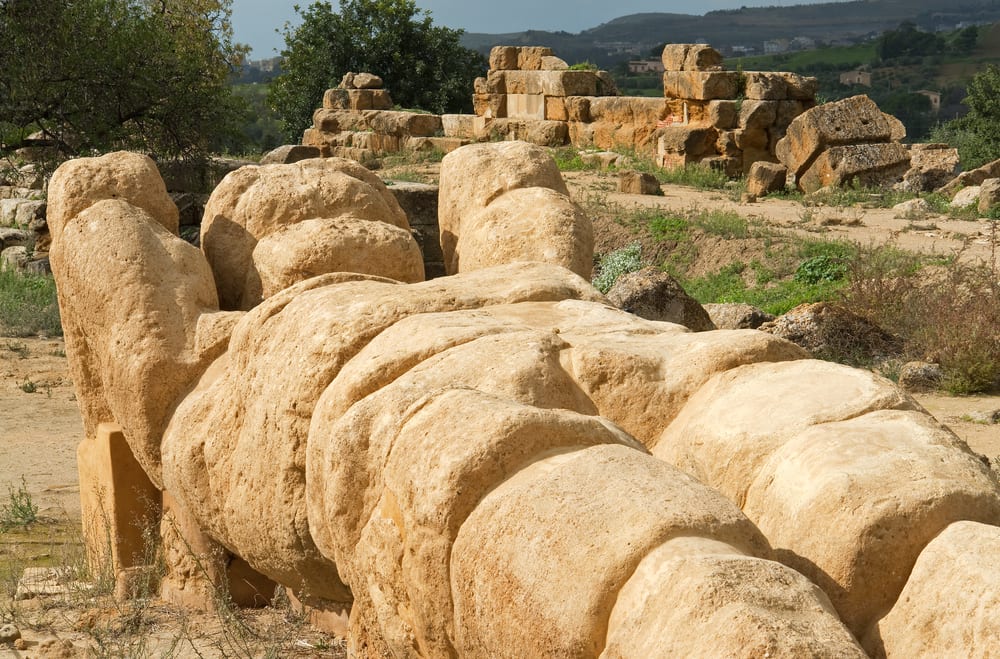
(94, 75)
(908, 41)
(423, 65)
(977, 134)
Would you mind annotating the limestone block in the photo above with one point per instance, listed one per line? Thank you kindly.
(479, 85)
(700, 85)
(765, 178)
(119, 505)
(931, 167)
(527, 224)
(731, 166)
(752, 139)
(288, 153)
(553, 63)
(496, 82)
(948, 606)
(489, 105)
(786, 111)
(727, 144)
(730, 428)
(403, 124)
(627, 110)
(551, 83)
(693, 141)
(871, 165)
(356, 99)
(694, 597)
(633, 182)
(853, 120)
(507, 551)
(758, 114)
(989, 194)
(336, 99)
(578, 109)
(334, 121)
(851, 504)
(722, 114)
(530, 58)
(606, 84)
(367, 81)
(538, 132)
(442, 144)
(526, 106)
(690, 57)
(254, 202)
(580, 133)
(503, 58)
(800, 88)
(458, 125)
(555, 108)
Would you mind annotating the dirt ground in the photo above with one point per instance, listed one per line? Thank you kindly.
(40, 423)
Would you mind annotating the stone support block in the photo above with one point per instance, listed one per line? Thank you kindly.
(700, 85)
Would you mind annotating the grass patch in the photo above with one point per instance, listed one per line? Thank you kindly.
(568, 159)
(696, 176)
(28, 305)
(615, 264)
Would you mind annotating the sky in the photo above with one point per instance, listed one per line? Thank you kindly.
(255, 21)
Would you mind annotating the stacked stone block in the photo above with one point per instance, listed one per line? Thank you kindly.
(730, 119)
(357, 121)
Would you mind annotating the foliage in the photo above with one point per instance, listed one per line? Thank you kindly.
(976, 135)
(615, 264)
(19, 510)
(28, 304)
(907, 40)
(696, 175)
(262, 130)
(820, 268)
(583, 66)
(423, 65)
(104, 74)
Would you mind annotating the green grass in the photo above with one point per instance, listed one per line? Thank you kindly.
(28, 305)
(696, 176)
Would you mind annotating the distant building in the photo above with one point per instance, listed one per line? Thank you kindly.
(934, 97)
(863, 78)
(645, 66)
(775, 46)
(802, 43)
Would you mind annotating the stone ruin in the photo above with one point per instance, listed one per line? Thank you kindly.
(497, 463)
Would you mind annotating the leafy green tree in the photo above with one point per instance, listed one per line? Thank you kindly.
(977, 134)
(423, 65)
(908, 41)
(101, 74)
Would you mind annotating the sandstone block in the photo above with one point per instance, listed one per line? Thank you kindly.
(989, 194)
(872, 165)
(758, 114)
(801, 88)
(367, 81)
(700, 85)
(728, 144)
(722, 114)
(765, 86)
(606, 84)
(526, 106)
(490, 105)
(736, 315)
(690, 57)
(578, 109)
(503, 58)
(690, 141)
(555, 108)
(765, 178)
(973, 177)
(479, 86)
(403, 124)
(633, 182)
(854, 120)
(289, 153)
(531, 58)
(655, 295)
(956, 573)
(458, 125)
(627, 110)
(553, 63)
(931, 167)
(551, 83)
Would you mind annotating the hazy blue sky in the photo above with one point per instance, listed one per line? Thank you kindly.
(255, 21)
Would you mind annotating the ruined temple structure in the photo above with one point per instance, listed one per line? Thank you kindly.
(729, 119)
(498, 462)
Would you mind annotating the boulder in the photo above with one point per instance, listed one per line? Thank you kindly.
(830, 331)
(289, 153)
(920, 376)
(989, 195)
(690, 57)
(931, 167)
(367, 81)
(736, 315)
(532, 58)
(966, 197)
(655, 295)
(854, 120)
(765, 178)
(866, 165)
(956, 572)
(971, 178)
(30, 214)
(910, 208)
(256, 201)
(633, 182)
(700, 85)
(10, 237)
(14, 258)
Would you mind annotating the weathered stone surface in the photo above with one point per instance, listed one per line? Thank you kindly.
(931, 167)
(956, 573)
(690, 57)
(626, 110)
(723, 114)
(553, 63)
(758, 114)
(255, 202)
(403, 124)
(690, 141)
(655, 295)
(367, 81)
(289, 153)
(532, 58)
(868, 165)
(700, 85)
(854, 120)
(765, 178)
(458, 125)
(551, 83)
(10, 237)
(830, 331)
(971, 178)
(920, 376)
(633, 182)
(503, 58)
(736, 315)
(989, 194)
(578, 108)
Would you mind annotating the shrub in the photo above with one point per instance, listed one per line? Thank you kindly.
(28, 304)
(615, 264)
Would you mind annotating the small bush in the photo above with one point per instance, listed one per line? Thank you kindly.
(615, 264)
(19, 510)
(821, 268)
(726, 224)
(697, 176)
(28, 304)
(669, 228)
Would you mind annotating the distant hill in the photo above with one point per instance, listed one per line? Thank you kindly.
(639, 35)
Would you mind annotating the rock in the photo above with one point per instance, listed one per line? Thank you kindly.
(367, 81)
(553, 63)
(700, 85)
(9, 633)
(829, 331)
(765, 178)
(30, 214)
(956, 572)
(8, 211)
(989, 195)
(655, 295)
(854, 120)
(14, 258)
(10, 237)
(503, 58)
(633, 182)
(920, 376)
(966, 197)
(602, 159)
(37, 266)
(931, 166)
(990, 417)
(736, 315)
(690, 57)
(866, 165)
(971, 178)
(474, 210)
(917, 206)
(289, 153)
(256, 201)
(532, 58)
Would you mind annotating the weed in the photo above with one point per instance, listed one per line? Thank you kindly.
(726, 224)
(583, 66)
(695, 175)
(28, 304)
(568, 159)
(28, 387)
(669, 228)
(820, 268)
(18, 348)
(615, 264)
(19, 510)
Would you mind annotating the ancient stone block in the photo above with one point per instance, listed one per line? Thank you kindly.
(553, 63)
(752, 139)
(526, 106)
(503, 58)
(644, 183)
(403, 124)
(336, 99)
(578, 109)
(490, 105)
(694, 142)
(458, 125)
(551, 83)
(555, 108)
(367, 81)
(727, 143)
(496, 82)
(722, 114)
(872, 165)
(627, 110)
(700, 85)
(479, 85)
(758, 114)
(765, 86)
(289, 153)
(530, 58)
(580, 133)
(765, 178)
(690, 57)
(800, 88)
